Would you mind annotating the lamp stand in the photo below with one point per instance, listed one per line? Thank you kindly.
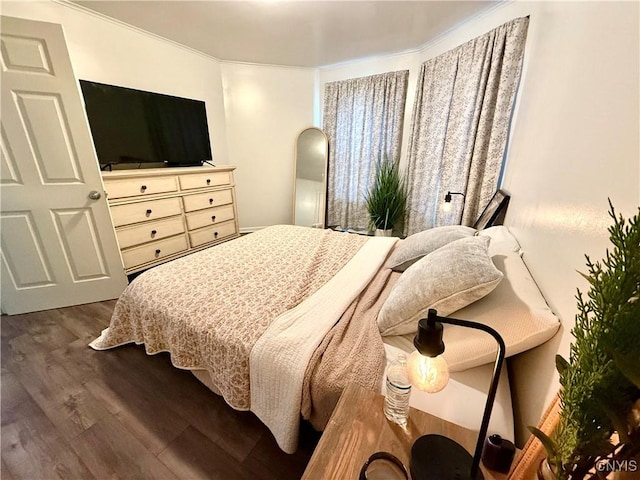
(434, 457)
(435, 453)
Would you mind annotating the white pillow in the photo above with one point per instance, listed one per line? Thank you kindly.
(416, 246)
(502, 240)
(448, 279)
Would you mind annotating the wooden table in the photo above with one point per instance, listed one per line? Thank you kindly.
(359, 428)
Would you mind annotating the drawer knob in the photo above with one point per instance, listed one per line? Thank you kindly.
(215, 234)
(143, 188)
(153, 232)
(208, 181)
(213, 218)
(211, 200)
(149, 212)
(158, 251)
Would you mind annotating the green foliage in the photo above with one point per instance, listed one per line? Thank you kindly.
(600, 380)
(387, 199)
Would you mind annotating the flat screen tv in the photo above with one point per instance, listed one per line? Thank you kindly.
(137, 129)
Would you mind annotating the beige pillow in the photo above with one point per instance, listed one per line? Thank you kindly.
(416, 246)
(448, 279)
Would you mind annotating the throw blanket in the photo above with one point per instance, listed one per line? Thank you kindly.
(352, 352)
(280, 357)
(210, 308)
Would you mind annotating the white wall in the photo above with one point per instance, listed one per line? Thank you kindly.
(104, 51)
(253, 120)
(266, 108)
(574, 142)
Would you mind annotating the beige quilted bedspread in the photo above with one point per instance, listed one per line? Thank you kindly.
(212, 321)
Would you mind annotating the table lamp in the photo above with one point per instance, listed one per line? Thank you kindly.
(436, 457)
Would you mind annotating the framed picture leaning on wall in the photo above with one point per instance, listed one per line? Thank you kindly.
(494, 212)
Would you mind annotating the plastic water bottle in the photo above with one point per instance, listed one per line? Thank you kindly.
(396, 403)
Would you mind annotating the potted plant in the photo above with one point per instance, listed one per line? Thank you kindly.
(386, 199)
(599, 427)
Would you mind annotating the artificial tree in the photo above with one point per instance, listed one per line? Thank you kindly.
(386, 200)
(600, 383)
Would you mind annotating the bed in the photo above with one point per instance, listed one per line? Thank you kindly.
(277, 322)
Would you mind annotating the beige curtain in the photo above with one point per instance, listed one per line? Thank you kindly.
(460, 125)
(363, 122)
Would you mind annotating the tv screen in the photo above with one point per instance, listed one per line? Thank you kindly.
(137, 129)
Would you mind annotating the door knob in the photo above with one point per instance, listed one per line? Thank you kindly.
(94, 195)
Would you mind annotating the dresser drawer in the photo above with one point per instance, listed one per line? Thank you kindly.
(134, 187)
(149, 231)
(154, 251)
(201, 201)
(204, 180)
(210, 234)
(210, 216)
(141, 211)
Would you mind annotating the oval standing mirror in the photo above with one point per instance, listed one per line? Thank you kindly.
(310, 175)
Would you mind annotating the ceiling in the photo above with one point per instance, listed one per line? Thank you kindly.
(294, 33)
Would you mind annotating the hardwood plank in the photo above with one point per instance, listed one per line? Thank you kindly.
(156, 422)
(111, 400)
(197, 405)
(235, 431)
(62, 400)
(13, 397)
(43, 329)
(103, 310)
(83, 321)
(154, 427)
(267, 461)
(66, 403)
(186, 453)
(14, 453)
(124, 392)
(8, 328)
(79, 360)
(32, 448)
(5, 473)
(31, 457)
(110, 451)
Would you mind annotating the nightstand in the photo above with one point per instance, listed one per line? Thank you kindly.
(357, 428)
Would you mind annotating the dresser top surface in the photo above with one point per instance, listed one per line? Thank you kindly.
(153, 172)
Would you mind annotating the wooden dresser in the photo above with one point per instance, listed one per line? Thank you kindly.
(164, 213)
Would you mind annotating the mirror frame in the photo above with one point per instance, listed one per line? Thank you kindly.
(323, 213)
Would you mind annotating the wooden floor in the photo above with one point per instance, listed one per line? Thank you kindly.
(71, 412)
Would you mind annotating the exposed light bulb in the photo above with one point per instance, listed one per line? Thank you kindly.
(446, 207)
(429, 374)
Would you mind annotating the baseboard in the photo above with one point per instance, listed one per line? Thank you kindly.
(245, 230)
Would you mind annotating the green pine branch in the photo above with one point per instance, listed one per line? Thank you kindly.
(600, 380)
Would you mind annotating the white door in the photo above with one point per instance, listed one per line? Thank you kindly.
(58, 246)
